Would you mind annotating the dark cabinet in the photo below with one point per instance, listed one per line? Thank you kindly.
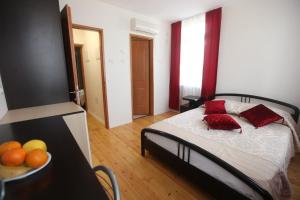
(32, 59)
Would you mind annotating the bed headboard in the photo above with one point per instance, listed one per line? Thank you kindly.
(247, 99)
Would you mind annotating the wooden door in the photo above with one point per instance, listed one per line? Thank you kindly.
(66, 21)
(140, 76)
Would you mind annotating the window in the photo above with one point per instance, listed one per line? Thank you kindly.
(192, 54)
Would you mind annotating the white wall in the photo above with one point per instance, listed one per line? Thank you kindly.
(3, 106)
(92, 70)
(116, 25)
(260, 49)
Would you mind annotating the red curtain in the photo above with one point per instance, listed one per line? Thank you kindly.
(175, 66)
(211, 52)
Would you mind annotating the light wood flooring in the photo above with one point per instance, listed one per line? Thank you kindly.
(147, 178)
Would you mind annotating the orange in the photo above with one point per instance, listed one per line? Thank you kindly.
(36, 158)
(13, 157)
(8, 146)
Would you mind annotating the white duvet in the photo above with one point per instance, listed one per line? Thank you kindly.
(263, 154)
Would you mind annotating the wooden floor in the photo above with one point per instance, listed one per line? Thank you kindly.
(146, 177)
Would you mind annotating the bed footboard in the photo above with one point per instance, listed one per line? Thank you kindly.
(207, 182)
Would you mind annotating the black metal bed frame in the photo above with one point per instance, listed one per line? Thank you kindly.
(214, 186)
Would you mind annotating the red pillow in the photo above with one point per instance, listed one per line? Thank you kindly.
(215, 107)
(260, 116)
(222, 122)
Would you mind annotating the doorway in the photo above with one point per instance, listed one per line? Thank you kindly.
(80, 75)
(82, 69)
(141, 76)
(90, 70)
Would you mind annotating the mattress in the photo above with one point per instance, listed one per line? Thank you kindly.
(206, 165)
(262, 154)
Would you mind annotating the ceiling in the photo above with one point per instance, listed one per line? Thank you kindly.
(169, 10)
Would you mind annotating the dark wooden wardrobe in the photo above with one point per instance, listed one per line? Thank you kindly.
(32, 59)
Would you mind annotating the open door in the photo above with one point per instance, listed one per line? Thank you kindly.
(66, 21)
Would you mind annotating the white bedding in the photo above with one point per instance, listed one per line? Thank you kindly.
(262, 154)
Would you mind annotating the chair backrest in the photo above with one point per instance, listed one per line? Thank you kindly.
(113, 180)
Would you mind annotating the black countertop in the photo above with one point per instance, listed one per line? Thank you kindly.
(67, 176)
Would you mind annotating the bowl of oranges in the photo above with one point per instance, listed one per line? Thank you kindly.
(18, 161)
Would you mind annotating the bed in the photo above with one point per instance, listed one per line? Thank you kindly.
(229, 165)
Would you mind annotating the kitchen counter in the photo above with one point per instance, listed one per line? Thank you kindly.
(67, 176)
(73, 115)
(40, 112)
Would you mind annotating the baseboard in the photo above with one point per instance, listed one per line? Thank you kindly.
(173, 110)
(96, 117)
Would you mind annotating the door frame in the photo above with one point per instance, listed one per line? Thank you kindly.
(83, 72)
(151, 74)
(103, 76)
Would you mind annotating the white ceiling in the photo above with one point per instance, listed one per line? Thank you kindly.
(169, 10)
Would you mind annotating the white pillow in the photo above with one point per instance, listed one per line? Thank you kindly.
(236, 107)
